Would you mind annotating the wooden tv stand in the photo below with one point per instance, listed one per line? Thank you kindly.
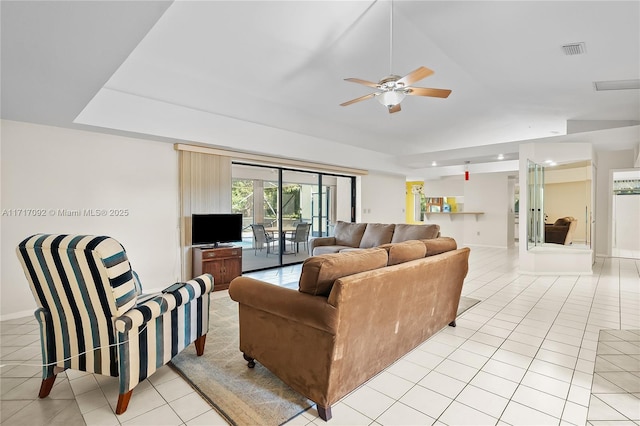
(224, 263)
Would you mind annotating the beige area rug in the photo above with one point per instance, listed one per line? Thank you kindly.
(241, 395)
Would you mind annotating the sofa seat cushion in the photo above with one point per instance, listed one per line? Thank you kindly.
(439, 245)
(349, 234)
(406, 231)
(318, 250)
(405, 251)
(377, 234)
(320, 272)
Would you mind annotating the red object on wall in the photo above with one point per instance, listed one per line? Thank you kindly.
(466, 175)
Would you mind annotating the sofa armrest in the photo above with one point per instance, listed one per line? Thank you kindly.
(163, 303)
(320, 241)
(555, 234)
(313, 311)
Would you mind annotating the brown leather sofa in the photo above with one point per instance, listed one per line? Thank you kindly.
(355, 313)
(561, 232)
(349, 236)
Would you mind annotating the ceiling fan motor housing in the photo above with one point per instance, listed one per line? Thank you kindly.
(394, 88)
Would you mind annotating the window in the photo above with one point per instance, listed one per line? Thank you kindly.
(279, 199)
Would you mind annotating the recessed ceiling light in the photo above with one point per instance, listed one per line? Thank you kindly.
(616, 85)
(500, 157)
(434, 164)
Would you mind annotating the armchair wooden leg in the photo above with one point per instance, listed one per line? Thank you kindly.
(123, 402)
(46, 385)
(199, 342)
(324, 412)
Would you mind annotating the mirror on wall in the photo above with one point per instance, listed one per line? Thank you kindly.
(560, 198)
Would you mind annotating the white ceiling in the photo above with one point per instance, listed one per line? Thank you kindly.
(267, 76)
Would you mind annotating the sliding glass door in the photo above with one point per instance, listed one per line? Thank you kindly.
(255, 192)
(298, 189)
(283, 208)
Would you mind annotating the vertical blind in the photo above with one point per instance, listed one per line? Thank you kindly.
(205, 187)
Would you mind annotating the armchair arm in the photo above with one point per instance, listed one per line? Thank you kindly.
(163, 303)
(320, 241)
(555, 234)
(313, 311)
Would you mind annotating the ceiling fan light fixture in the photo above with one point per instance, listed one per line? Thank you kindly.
(390, 98)
(394, 88)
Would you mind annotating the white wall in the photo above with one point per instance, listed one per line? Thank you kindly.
(381, 198)
(489, 193)
(343, 199)
(52, 168)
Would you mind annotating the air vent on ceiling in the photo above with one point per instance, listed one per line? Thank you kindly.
(574, 49)
(616, 85)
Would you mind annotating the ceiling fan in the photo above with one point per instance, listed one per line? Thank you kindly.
(393, 88)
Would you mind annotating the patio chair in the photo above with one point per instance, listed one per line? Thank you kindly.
(262, 237)
(300, 235)
(94, 318)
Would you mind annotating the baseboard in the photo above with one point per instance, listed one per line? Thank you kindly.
(483, 245)
(563, 273)
(16, 315)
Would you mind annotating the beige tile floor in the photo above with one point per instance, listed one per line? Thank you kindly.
(525, 355)
(616, 381)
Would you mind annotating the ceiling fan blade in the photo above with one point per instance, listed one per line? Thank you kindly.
(415, 75)
(394, 108)
(365, 82)
(361, 98)
(423, 91)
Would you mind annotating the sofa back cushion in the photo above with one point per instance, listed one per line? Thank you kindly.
(349, 234)
(564, 221)
(405, 232)
(377, 234)
(319, 272)
(439, 245)
(405, 251)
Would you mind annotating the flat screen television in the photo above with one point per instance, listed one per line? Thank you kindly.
(216, 228)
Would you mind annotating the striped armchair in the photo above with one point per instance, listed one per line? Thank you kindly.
(93, 316)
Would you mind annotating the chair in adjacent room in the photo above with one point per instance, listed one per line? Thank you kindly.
(299, 235)
(561, 232)
(94, 317)
(261, 238)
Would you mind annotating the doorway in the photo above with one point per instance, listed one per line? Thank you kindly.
(625, 231)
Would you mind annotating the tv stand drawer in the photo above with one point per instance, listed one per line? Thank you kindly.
(221, 252)
(224, 263)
